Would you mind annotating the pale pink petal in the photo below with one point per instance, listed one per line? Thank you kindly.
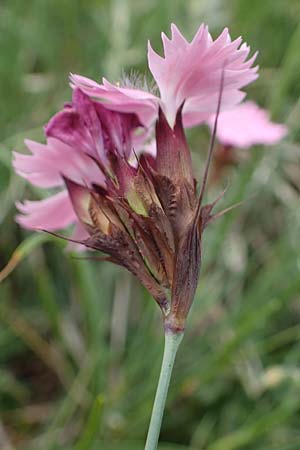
(53, 213)
(247, 125)
(48, 162)
(73, 164)
(194, 114)
(192, 70)
(36, 170)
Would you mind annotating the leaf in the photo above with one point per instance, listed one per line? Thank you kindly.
(22, 251)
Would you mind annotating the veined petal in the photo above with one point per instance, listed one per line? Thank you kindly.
(48, 162)
(119, 131)
(89, 126)
(129, 100)
(52, 213)
(78, 125)
(192, 69)
(247, 125)
(36, 170)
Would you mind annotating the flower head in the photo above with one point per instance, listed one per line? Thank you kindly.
(81, 137)
(147, 216)
(189, 73)
(246, 125)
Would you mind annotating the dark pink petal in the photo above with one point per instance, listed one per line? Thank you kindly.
(247, 125)
(53, 213)
(117, 130)
(78, 126)
(92, 128)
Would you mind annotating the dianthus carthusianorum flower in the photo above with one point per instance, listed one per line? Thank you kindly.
(188, 73)
(145, 214)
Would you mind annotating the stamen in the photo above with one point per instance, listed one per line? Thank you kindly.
(137, 80)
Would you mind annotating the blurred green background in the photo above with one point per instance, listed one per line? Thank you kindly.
(80, 341)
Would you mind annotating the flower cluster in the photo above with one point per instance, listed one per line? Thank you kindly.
(143, 212)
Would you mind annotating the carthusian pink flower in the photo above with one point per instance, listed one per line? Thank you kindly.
(143, 213)
(246, 125)
(145, 216)
(79, 139)
(189, 73)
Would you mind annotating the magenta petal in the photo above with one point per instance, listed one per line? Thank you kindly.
(87, 111)
(53, 213)
(90, 127)
(78, 126)
(117, 130)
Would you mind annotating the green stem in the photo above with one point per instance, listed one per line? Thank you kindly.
(172, 341)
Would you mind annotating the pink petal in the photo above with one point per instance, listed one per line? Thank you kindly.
(247, 125)
(36, 170)
(89, 126)
(193, 70)
(130, 100)
(194, 115)
(48, 162)
(119, 130)
(53, 213)
(78, 126)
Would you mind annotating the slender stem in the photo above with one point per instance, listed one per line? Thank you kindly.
(211, 144)
(172, 341)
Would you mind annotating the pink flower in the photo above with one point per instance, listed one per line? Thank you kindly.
(189, 73)
(144, 214)
(121, 99)
(80, 138)
(247, 125)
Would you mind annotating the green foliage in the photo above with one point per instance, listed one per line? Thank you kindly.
(80, 341)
